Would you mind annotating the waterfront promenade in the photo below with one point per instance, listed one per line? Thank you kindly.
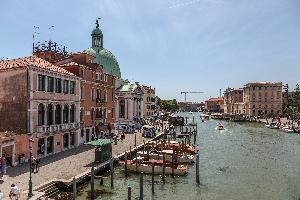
(64, 165)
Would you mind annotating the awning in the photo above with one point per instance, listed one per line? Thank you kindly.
(148, 126)
(99, 142)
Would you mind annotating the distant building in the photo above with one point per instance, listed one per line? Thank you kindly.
(261, 98)
(215, 105)
(148, 101)
(232, 100)
(190, 106)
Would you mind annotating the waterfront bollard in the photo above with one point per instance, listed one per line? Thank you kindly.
(193, 120)
(74, 188)
(130, 153)
(195, 138)
(197, 169)
(186, 119)
(126, 164)
(134, 139)
(164, 168)
(141, 187)
(101, 180)
(152, 177)
(129, 193)
(111, 173)
(92, 183)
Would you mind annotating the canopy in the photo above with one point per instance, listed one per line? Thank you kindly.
(148, 126)
(99, 142)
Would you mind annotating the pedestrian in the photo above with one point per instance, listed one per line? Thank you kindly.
(37, 164)
(1, 195)
(1, 174)
(33, 163)
(3, 165)
(14, 192)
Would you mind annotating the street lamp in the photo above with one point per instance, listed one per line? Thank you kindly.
(30, 165)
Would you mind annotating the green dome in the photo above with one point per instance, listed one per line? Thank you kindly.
(97, 31)
(105, 58)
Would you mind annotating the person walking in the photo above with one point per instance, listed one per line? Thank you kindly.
(14, 192)
(3, 165)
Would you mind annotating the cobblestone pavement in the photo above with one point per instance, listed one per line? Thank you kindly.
(63, 165)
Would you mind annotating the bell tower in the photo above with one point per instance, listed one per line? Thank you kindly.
(97, 37)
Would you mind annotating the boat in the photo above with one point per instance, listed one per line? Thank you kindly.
(174, 145)
(220, 127)
(190, 112)
(140, 165)
(204, 116)
(287, 129)
(179, 158)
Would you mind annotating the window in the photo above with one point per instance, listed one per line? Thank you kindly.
(81, 94)
(58, 85)
(101, 77)
(81, 115)
(41, 86)
(72, 87)
(58, 114)
(92, 94)
(97, 76)
(92, 114)
(81, 72)
(66, 114)
(66, 86)
(72, 114)
(50, 84)
(41, 115)
(50, 114)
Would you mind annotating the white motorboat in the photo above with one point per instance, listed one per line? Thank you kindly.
(183, 158)
(146, 167)
(220, 127)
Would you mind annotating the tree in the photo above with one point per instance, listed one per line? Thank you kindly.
(168, 105)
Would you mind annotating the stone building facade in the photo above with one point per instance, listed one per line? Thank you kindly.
(256, 99)
(215, 105)
(148, 101)
(42, 100)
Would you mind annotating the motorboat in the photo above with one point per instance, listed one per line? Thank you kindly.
(220, 127)
(287, 129)
(141, 165)
(204, 116)
(179, 158)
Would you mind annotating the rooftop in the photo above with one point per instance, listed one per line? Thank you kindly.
(216, 99)
(32, 61)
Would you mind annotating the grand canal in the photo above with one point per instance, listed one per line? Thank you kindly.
(245, 161)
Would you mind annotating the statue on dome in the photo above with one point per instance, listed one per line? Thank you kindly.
(97, 22)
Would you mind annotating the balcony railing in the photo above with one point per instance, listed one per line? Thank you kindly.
(100, 101)
(57, 127)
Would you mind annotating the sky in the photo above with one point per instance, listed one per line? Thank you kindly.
(172, 45)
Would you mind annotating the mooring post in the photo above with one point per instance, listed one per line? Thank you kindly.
(111, 173)
(147, 153)
(164, 168)
(195, 138)
(173, 160)
(92, 183)
(197, 169)
(135, 139)
(152, 177)
(129, 152)
(186, 119)
(193, 120)
(129, 193)
(141, 187)
(126, 164)
(74, 188)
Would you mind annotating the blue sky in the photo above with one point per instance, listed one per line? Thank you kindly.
(173, 45)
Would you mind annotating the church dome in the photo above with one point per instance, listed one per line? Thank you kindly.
(103, 56)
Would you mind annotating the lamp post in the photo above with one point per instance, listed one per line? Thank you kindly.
(30, 164)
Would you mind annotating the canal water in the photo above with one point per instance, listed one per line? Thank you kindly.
(243, 162)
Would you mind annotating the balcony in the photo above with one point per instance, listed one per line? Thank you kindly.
(57, 127)
(100, 101)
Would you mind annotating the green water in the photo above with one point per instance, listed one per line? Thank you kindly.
(244, 162)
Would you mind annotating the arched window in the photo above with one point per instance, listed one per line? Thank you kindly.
(72, 114)
(66, 114)
(81, 114)
(92, 114)
(50, 114)
(41, 115)
(122, 109)
(58, 114)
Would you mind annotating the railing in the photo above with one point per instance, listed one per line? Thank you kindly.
(57, 127)
(100, 101)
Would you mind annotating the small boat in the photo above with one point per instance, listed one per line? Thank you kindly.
(190, 112)
(287, 129)
(140, 165)
(179, 158)
(220, 127)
